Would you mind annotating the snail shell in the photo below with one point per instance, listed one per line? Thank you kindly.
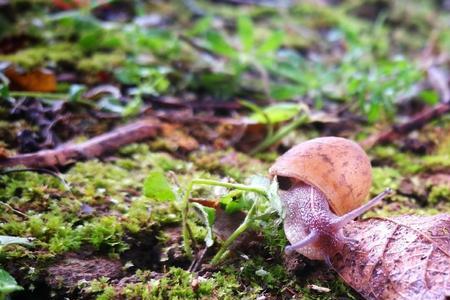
(338, 167)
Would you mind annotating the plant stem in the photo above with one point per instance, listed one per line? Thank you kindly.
(185, 208)
(237, 186)
(243, 227)
(260, 111)
(53, 96)
(281, 133)
(49, 96)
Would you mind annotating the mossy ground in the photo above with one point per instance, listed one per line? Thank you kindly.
(102, 213)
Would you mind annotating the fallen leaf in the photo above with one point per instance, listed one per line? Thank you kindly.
(405, 257)
(319, 289)
(226, 223)
(212, 203)
(39, 80)
(4, 153)
(177, 139)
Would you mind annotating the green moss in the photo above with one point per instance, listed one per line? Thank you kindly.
(140, 157)
(143, 213)
(177, 284)
(56, 217)
(227, 286)
(385, 177)
(436, 162)
(102, 288)
(406, 163)
(439, 193)
(229, 163)
(105, 232)
(97, 179)
(108, 294)
(274, 238)
(101, 62)
(41, 55)
(23, 187)
(261, 274)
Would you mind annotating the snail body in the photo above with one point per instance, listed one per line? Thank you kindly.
(323, 184)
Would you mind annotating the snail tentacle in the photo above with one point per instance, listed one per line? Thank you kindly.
(309, 239)
(348, 217)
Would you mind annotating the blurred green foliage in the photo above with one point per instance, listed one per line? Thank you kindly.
(305, 51)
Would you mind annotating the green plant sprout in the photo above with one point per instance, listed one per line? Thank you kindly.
(267, 192)
(277, 113)
(270, 140)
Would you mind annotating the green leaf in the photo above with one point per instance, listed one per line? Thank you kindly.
(8, 240)
(285, 91)
(133, 107)
(157, 187)
(245, 32)
(7, 284)
(76, 91)
(272, 43)
(234, 202)
(429, 97)
(219, 45)
(4, 91)
(90, 40)
(201, 26)
(277, 113)
(4, 86)
(235, 206)
(374, 111)
(209, 216)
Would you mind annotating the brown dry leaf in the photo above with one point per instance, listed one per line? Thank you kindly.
(178, 139)
(4, 153)
(226, 223)
(213, 203)
(406, 257)
(39, 80)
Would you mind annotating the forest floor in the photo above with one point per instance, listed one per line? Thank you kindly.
(221, 88)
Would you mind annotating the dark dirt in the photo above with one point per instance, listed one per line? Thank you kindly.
(68, 273)
(144, 252)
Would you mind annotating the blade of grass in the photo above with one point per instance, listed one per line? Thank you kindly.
(280, 134)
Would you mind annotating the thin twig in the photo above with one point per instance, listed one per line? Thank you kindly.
(198, 260)
(16, 211)
(95, 147)
(416, 122)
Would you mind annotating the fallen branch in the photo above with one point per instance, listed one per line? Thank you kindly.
(416, 122)
(95, 147)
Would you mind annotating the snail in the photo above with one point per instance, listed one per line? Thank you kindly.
(323, 184)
